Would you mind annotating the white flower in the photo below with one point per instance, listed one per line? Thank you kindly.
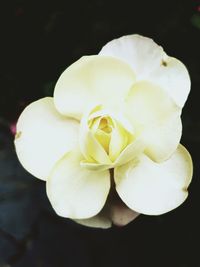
(119, 110)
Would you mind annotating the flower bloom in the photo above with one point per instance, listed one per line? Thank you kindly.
(114, 113)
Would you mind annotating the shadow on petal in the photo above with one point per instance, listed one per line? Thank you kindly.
(115, 212)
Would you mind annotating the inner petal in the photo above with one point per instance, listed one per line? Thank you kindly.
(106, 125)
(104, 136)
(110, 134)
(102, 130)
(119, 140)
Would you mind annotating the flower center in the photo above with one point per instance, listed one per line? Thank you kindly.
(109, 132)
(105, 125)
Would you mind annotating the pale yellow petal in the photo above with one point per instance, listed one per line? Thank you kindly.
(150, 62)
(140, 52)
(114, 212)
(98, 221)
(92, 150)
(95, 166)
(163, 140)
(43, 137)
(132, 151)
(156, 118)
(103, 138)
(92, 79)
(116, 115)
(119, 140)
(151, 188)
(172, 76)
(76, 192)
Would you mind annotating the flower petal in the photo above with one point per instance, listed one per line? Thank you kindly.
(76, 192)
(151, 188)
(174, 78)
(92, 79)
(114, 212)
(93, 166)
(118, 141)
(150, 62)
(121, 215)
(98, 221)
(43, 137)
(132, 151)
(92, 150)
(156, 119)
(140, 52)
(163, 140)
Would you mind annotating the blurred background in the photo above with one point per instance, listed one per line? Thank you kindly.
(38, 40)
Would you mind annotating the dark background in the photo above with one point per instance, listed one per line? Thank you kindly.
(38, 40)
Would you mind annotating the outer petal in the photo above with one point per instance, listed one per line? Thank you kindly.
(140, 52)
(174, 78)
(163, 140)
(114, 212)
(76, 192)
(43, 137)
(156, 119)
(151, 188)
(119, 215)
(92, 79)
(150, 62)
(98, 221)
